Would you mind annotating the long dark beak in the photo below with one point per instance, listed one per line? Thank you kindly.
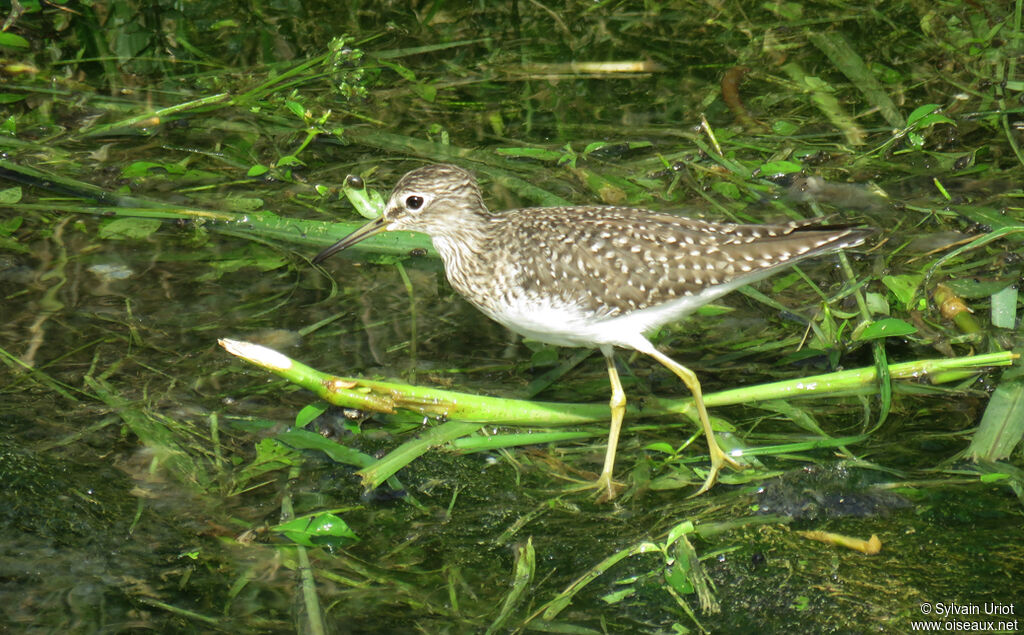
(367, 230)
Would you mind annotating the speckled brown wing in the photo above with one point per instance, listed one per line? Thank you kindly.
(613, 260)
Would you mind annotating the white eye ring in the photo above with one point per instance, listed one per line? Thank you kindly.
(413, 202)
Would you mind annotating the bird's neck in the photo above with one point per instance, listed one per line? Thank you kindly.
(464, 249)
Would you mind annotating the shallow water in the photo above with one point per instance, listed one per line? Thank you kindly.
(134, 495)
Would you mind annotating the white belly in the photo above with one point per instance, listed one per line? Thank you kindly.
(569, 326)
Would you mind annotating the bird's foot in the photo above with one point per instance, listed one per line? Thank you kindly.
(604, 488)
(719, 460)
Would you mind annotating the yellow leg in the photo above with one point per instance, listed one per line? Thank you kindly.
(719, 459)
(605, 484)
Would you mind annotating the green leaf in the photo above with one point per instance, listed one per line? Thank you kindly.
(402, 71)
(310, 412)
(920, 112)
(785, 128)
(531, 153)
(253, 256)
(974, 289)
(788, 10)
(139, 169)
(10, 244)
(544, 356)
(994, 477)
(1002, 425)
(713, 310)
(661, 446)
(904, 287)
(271, 455)
(129, 228)
(302, 439)
(618, 596)
(595, 145)
(289, 161)
(886, 74)
(257, 170)
(1004, 308)
(677, 576)
(242, 203)
(801, 603)
(926, 116)
(780, 167)
(728, 190)
(426, 92)
(318, 529)
(9, 225)
(369, 203)
(10, 196)
(889, 327)
(13, 41)
(818, 84)
(877, 303)
(684, 528)
(297, 109)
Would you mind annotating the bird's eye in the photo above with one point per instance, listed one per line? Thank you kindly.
(414, 202)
